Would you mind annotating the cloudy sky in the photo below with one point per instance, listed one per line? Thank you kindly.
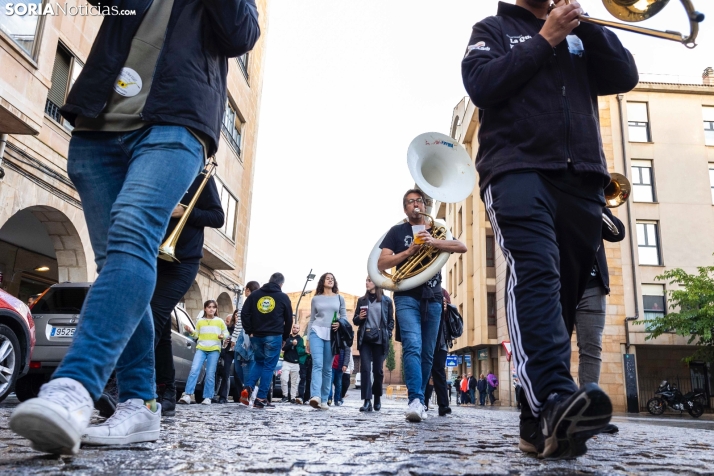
(348, 84)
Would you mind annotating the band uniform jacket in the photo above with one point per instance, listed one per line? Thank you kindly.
(538, 105)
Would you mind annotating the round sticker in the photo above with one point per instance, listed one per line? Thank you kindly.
(266, 305)
(128, 83)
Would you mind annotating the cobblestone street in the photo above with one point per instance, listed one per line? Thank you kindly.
(297, 440)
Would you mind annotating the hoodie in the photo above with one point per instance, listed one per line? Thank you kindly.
(268, 312)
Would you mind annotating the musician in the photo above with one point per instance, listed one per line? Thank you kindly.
(418, 310)
(535, 76)
(147, 109)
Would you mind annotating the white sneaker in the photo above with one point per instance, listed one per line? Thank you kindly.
(206, 401)
(132, 422)
(415, 411)
(253, 395)
(55, 420)
(315, 402)
(424, 413)
(324, 406)
(185, 398)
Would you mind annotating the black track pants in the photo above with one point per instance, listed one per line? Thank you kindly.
(549, 239)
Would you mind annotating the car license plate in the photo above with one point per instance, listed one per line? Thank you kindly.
(63, 331)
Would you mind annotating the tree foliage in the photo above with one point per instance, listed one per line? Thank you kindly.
(391, 363)
(692, 306)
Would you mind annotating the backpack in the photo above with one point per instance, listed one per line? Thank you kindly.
(454, 322)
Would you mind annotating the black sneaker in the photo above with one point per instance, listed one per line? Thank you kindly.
(568, 421)
(610, 429)
(531, 438)
(443, 411)
(259, 404)
(168, 402)
(284, 400)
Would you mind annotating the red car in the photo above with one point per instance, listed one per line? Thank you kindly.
(17, 340)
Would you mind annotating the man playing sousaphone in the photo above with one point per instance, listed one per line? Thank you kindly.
(419, 309)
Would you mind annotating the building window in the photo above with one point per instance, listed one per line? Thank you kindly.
(708, 113)
(243, 64)
(232, 127)
(23, 28)
(490, 251)
(451, 282)
(642, 183)
(461, 269)
(638, 122)
(711, 180)
(64, 73)
(230, 208)
(648, 243)
(491, 309)
(459, 224)
(653, 301)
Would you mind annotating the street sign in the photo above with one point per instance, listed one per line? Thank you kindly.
(507, 347)
(461, 359)
(451, 361)
(468, 360)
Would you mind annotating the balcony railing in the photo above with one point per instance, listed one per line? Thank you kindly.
(243, 65)
(53, 110)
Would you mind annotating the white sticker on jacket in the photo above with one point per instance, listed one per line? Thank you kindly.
(481, 45)
(128, 84)
(575, 45)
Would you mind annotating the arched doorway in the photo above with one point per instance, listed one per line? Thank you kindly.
(225, 304)
(40, 246)
(193, 301)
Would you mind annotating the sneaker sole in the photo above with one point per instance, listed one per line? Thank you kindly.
(413, 417)
(526, 447)
(314, 404)
(168, 413)
(48, 431)
(585, 417)
(139, 437)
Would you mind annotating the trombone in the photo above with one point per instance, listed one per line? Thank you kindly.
(638, 10)
(167, 249)
(616, 193)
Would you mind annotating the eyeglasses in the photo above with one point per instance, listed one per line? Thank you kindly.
(419, 201)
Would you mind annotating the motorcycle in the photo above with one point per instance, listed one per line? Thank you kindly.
(668, 395)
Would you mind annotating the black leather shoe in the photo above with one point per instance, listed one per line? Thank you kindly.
(443, 411)
(377, 403)
(367, 407)
(168, 402)
(222, 401)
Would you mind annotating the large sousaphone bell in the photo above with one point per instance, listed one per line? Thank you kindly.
(443, 170)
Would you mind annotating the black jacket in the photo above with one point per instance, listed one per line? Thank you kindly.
(607, 235)
(267, 312)
(537, 104)
(343, 337)
(291, 353)
(386, 326)
(472, 383)
(482, 385)
(208, 212)
(189, 83)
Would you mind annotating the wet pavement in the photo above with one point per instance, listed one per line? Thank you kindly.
(297, 440)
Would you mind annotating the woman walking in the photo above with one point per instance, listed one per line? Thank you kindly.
(210, 329)
(326, 306)
(375, 317)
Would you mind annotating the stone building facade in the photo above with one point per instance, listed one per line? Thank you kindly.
(661, 136)
(41, 220)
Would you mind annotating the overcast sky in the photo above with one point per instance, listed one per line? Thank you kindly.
(347, 85)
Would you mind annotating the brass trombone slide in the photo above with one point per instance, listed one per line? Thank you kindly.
(638, 10)
(168, 247)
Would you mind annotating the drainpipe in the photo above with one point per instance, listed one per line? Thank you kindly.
(620, 97)
(3, 141)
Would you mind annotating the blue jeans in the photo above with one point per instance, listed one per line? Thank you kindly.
(418, 342)
(321, 382)
(129, 183)
(242, 370)
(337, 382)
(209, 383)
(267, 352)
(482, 397)
(472, 396)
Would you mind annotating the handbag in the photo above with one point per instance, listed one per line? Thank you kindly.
(454, 322)
(371, 335)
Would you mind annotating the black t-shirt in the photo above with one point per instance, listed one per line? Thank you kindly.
(398, 239)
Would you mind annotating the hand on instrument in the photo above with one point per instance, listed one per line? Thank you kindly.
(178, 211)
(412, 249)
(561, 21)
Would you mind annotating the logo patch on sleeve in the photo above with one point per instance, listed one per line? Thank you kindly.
(481, 45)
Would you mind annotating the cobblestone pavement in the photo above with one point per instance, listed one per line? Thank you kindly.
(298, 440)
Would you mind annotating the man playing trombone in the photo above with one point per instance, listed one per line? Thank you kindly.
(147, 109)
(535, 73)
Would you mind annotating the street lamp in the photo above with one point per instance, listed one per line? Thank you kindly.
(310, 277)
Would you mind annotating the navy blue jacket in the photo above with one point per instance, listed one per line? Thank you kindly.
(538, 105)
(608, 235)
(189, 84)
(267, 312)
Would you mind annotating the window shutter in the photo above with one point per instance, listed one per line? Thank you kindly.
(60, 77)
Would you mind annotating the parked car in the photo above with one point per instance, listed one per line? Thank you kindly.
(57, 313)
(17, 342)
